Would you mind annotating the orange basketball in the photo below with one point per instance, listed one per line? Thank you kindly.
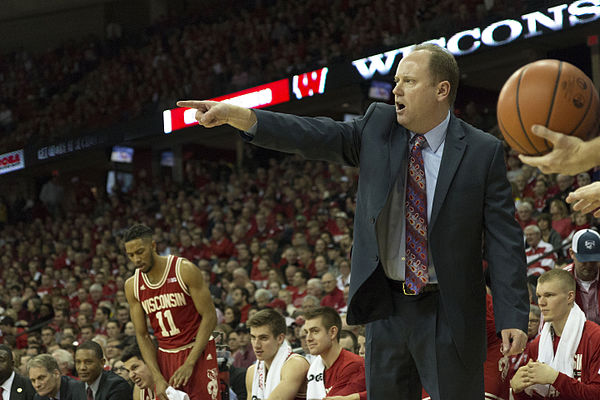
(552, 93)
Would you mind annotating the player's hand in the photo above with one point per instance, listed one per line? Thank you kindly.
(586, 199)
(567, 155)
(513, 341)
(541, 373)
(160, 388)
(209, 113)
(520, 381)
(181, 375)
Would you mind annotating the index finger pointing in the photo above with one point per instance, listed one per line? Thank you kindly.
(191, 103)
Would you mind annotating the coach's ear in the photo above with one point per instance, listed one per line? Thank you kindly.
(443, 90)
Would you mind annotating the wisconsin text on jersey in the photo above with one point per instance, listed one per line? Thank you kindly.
(162, 301)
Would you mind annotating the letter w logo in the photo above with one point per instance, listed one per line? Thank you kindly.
(377, 64)
(309, 83)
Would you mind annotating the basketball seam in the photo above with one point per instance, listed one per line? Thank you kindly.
(519, 112)
(560, 64)
(589, 105)
(506, 133)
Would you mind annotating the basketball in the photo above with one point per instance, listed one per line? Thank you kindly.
(551, 93)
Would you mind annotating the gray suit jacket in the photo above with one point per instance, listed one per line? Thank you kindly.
(70, 389)
(472, 216)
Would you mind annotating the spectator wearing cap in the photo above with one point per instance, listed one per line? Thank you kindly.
(585, 252)
(244, 356)
(339, 226)
(540, 257)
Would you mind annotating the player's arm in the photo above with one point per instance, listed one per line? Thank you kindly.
(192, 278)
(249, 379)
(138, 317)
(293, 377)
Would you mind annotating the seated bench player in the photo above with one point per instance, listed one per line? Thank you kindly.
(278, 373)
(335, 371)
(564, 360)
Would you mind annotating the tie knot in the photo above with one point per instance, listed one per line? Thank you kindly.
(419, 140)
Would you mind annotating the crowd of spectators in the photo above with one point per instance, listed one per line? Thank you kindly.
(94, 83)
(277, 236)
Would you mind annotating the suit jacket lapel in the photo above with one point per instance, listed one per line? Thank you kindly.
(454, 148)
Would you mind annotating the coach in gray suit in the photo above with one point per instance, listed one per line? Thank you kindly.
(437, 337)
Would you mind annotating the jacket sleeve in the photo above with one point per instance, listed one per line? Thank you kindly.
(314, 138)
(504, 250)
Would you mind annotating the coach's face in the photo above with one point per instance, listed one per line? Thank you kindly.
(416, 94)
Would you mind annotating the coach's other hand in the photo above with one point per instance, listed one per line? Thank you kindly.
(213, 113)
(513, 341)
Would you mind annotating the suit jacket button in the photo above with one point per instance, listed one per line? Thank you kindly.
(376, 258)
(372, 220)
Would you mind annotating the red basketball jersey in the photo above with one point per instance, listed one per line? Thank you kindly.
(169, 306)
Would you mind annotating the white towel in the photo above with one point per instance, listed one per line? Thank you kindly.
(562, 361)
(315, 389)
(174, 394)
(261, 388)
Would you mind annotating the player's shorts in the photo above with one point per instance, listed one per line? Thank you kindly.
(203, 383)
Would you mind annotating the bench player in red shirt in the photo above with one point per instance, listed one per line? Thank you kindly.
(171, 292)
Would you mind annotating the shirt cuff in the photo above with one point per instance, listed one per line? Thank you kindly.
(249, 134)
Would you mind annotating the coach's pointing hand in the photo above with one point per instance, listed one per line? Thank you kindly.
(212, 113)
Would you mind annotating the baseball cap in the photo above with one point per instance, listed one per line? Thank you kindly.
(586, 245)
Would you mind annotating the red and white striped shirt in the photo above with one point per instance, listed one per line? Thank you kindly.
(543, 264)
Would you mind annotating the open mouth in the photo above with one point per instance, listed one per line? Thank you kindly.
(400, 107)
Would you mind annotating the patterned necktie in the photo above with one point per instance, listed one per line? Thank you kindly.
(90, 395)
(416, 276)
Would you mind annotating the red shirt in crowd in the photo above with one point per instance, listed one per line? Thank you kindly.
(335, 300)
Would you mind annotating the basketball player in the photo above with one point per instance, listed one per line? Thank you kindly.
(171, 292)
